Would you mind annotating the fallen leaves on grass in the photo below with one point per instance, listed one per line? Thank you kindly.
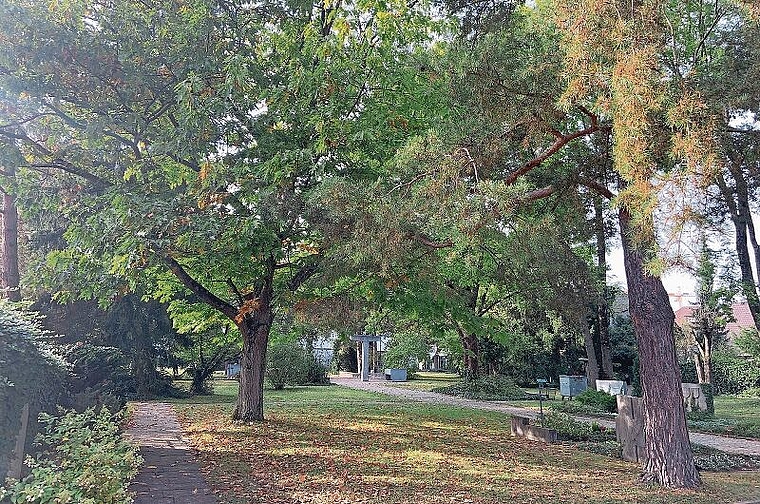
(328, 447)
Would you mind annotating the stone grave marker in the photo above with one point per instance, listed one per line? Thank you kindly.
(629, 427)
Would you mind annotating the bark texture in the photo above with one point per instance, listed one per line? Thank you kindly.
(11, 279)
(669, 459)
(254, 327)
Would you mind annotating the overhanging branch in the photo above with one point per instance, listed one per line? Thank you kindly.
(199, 290)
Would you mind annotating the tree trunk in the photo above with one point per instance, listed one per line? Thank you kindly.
(470, 354)
(10, 280)
(700, 370)
(739, 212)
(669, 459)
(707, 361)
(592, 365)
(254, 327)
(602, 309)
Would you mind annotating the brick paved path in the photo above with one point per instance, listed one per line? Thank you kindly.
(170, 474)
(722, 443)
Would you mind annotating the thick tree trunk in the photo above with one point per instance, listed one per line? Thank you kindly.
(10, 280)
(669, 459)
(592, 365)
(254, 327)
(470, 354)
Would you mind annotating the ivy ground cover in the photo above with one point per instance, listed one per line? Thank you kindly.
(335, 445)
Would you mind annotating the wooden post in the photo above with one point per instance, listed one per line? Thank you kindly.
(17, 459)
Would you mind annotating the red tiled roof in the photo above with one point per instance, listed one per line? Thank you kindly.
(743, 318)
(741, 314)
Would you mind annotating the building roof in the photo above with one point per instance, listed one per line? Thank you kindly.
(742, 316)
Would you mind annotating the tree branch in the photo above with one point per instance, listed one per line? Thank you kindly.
(560, 142)
(428, 242)
(199, 290)
(596, 187)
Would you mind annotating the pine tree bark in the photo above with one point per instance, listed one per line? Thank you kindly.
(669, 459)
(11, 277)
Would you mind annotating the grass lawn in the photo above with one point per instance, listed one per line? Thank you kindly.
(335, 445)
(735, 416)
(738, 408)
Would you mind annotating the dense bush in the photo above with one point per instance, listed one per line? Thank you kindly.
(570, 429)
(316, 372)
(598, 400)
(751, 392)
(405, 352)
(576, 408)
(30, 372)
(288, 363)
(83, 461)
(486, 388)
(732, 374)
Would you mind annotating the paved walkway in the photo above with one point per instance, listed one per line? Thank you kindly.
(722, 443)
(170, 474)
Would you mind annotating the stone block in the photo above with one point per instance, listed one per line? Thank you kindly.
(612, 387)
(693, 397)
(629, 427)
(521, 428)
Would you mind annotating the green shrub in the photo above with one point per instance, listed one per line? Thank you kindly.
(288, 363)
(316, 372)
(598, 399)
(570, 429)
(710, 459)
(30, 372)
(576, 408)
(732, 374)
(486, 388)
(285, 364)
(752, 392)
(83, 461)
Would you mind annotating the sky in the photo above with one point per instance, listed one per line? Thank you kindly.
(675, 282)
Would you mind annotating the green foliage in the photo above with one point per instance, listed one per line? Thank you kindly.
(344, 355)
(709, 392)
(288, 363)
(577, 408)
(733, 374)
(30, 372)
(753, 392)
(84, 461)
(598, 399)
(406, 350)
(702, 421)
(570, 429)
(710, 459)
(485, 388)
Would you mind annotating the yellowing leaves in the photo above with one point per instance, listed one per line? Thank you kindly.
(249, 306)
(205, 170)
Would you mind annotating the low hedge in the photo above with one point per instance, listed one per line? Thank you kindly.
(486, 388)
(82, 460)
